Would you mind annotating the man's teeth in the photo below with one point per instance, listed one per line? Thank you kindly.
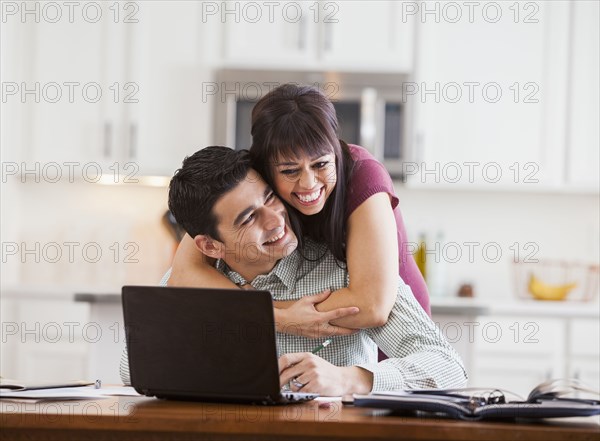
(276, 238)
(310, 197)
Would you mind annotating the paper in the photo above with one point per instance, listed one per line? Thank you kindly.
(70, 393)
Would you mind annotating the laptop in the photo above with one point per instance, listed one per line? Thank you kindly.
(204, 344)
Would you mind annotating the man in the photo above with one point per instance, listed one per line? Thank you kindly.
(236, 218)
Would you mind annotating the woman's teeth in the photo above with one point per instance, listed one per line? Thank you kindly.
(276, 238)
(310, 197)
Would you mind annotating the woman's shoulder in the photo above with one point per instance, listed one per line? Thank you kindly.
(367, 170)
(369, 177)
(360, 153)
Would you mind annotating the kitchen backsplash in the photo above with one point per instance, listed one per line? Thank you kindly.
(476, 237)
(472, 236)
(85, 236)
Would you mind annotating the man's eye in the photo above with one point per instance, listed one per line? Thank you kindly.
(289, 172)
(271, 197)
(248, 219)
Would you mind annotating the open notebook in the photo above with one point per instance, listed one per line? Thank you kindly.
(552, 399)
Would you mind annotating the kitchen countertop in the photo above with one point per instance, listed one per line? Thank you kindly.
(453, 306)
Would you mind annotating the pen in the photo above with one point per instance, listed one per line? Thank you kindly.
(321, 346)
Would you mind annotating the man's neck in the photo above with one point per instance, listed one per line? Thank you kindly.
(250, 272)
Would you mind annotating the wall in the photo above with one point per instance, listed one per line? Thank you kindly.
(85, 236)
(560, 226)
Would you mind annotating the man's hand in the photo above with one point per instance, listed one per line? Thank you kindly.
(308, 372)
(302, 318)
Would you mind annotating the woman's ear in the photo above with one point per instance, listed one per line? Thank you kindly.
(209, 246)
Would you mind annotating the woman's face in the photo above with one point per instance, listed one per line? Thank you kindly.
(305, 183)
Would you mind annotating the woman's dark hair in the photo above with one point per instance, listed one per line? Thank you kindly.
(293, 121)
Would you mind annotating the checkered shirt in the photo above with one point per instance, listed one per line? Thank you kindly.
(420, 356)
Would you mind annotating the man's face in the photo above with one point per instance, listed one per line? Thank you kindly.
(253, 226)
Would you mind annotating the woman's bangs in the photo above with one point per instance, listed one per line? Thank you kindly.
(297, 141)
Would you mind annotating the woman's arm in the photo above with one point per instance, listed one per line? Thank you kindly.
(192, 268)
(372, 257)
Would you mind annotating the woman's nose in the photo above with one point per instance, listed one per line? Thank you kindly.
(307, 179)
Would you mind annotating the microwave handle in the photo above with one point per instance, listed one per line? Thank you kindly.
(418, 153)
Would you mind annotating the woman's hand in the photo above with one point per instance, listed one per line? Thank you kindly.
(306, 372)
(302, 318)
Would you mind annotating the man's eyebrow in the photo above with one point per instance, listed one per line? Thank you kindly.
(246, 211)
(314, 158)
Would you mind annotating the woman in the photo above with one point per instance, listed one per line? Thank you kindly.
(343, 196)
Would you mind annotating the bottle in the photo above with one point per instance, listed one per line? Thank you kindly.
(420, 256)
(436, 269)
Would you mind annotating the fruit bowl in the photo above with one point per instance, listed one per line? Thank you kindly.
(556, 281)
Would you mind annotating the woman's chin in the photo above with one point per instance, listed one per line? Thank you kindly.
(308, 210)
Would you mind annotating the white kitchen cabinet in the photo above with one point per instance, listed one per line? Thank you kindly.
(583, 111)
(71, 84)
(517, 353)
(489, 96)
(256, 34)
(352, 35)
(63, 126)
(130, 87)
(517, 345)
(167, 64)
(367, 35)
(46, 339)
(584, 352)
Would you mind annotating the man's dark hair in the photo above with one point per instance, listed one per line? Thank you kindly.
(201, 181)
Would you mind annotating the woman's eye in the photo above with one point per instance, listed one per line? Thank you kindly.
(289, 172)
(321, 164)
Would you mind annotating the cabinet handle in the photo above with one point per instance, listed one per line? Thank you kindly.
(302, 34)
(327, 36)
(419, 145)
(132, 140)
(107, 147)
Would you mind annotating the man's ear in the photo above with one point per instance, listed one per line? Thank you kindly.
(209, 246)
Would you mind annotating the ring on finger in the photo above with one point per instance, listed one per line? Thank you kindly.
(297, 383)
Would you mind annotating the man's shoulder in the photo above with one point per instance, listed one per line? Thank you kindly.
(317, 254)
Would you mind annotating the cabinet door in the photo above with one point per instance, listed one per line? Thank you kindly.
(366, 35)
(583, 145)
(583, 357)
(65, 125)
(516, 354)
(71, 67)
(489, 95)
(169, 116)
(269, 34)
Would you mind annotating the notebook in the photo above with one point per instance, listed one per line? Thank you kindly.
(553, 399)
(203, 344)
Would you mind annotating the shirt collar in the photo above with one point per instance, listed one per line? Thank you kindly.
(286, 270)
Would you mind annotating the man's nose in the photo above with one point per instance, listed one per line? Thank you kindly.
(274, 218)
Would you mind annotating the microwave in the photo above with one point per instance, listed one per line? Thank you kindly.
(370, 109)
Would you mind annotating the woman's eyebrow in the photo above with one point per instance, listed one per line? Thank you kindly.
(314, 158)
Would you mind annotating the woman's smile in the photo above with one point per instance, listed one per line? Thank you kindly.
(310, 198)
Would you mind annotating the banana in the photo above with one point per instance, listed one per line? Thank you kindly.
(543, 291)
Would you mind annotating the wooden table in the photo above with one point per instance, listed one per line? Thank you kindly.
(141, 418)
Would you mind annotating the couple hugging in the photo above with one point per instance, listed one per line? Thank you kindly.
(316, 222)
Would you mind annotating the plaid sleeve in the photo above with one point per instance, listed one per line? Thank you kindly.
(165, 278)
(124, 368)
(420, 356)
